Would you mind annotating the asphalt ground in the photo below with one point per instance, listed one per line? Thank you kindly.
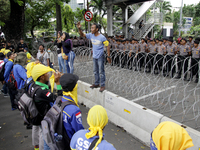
(15, 136)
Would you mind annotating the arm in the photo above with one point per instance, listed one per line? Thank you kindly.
(8, 69)
(79, 29)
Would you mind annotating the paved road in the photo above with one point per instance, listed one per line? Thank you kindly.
(15, 136)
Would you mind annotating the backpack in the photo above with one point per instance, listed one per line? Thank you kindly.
(12, 83)
(53, 124)
(27, 106)
(2, 70)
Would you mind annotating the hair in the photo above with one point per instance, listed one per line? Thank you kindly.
(66, 36)
(41, 45)
(97, 26)
(59, 32)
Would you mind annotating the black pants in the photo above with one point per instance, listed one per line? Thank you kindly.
(180, 65)
(195, 67)
(150, 60)
(12, 94)
(140, 60)
(130, 60)
(170, 64)
(124, 56)
(159, 61)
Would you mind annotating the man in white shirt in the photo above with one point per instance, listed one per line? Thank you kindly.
(43, 56)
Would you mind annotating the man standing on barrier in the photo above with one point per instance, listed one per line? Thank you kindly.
(195, 61)
(98, 42)
(171, 50)
(184, 52)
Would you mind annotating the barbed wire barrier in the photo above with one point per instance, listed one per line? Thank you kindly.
(157, 90)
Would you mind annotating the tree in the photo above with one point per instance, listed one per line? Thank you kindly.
(37, 15)
(67, 17)
(14, 25)
(4, 11)
(98, 7)
(164, 8)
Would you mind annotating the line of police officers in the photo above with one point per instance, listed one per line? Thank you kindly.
(157, 55)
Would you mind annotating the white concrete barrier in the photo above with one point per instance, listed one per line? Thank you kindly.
(134, 118)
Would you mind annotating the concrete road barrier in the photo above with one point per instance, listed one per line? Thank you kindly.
(134, 118)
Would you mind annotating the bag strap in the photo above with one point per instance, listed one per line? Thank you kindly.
(34, 91)
(93, 144)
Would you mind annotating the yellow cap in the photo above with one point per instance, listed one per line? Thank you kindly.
(97, 119)
(171, 136)
(39, 70)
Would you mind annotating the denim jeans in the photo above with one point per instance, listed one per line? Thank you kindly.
(5, 88)
(61, 64)
(70, 62)
(99, 72)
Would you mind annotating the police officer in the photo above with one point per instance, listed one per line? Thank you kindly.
(150, 57)
(171, 51)
(190, 42)
(160, 56)
(165, 43)
(195, 61)
(133, 49)
(93, 137)
(184, 52)
(122, 48)
(142, 54)
(117, 53)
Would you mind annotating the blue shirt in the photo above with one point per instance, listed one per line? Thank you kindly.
(20, 75)
(8, 69)
(5, 60)
(97, 44)
(79, 141)
(72, 118)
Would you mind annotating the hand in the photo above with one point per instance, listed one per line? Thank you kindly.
(57, 76)
(78, 25)
(37, 61)
(59, 40)
(109, 60)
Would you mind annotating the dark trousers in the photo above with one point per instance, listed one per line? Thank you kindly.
(159, 61)
(12, 94)
(170, 64)
(150, 60)
(140, 60)
(130, 60)
(180, 65)
(123, 59)
(5, 88)
(195, 67)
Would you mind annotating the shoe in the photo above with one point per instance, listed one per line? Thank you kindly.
(196, 81)
(29, 126)
(102, 89)
(14, 108)
(5, 95)
(94, 86)
(2, 91)
(25, 123)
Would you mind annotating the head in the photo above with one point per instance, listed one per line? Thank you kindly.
(21, 59)
(118, 41)
(3, 44)
(65, 36)
(2, 56)
(49, 50)
(153, 42)
(183, 41)
(190, 38)
(21, 41)
(160, 42)
(148, 40)
(170, 136)
(41, 73)
(133, 41)
(196, 43)
(10, 55)
(170, 42)
(26, 49)
(9, 43)
(59, 34)
(95, 28)
(157, 41)
(143, 40)
(97, 119)
(41, 48)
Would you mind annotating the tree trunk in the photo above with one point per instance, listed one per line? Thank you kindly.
(14, 27)
(58, 18)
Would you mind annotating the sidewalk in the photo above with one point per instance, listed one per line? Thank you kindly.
(15, 136)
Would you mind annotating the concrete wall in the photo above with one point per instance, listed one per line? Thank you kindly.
(135, 119)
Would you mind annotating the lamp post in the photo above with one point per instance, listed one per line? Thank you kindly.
(180, 18)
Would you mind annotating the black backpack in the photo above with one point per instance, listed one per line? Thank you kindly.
(12, 83)
(53, 123)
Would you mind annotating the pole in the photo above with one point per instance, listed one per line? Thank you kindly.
(88, 21)
(180, 18)
(85, 20)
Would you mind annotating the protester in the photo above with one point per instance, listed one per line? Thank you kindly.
(29, 57)
(10, 47)
(21, 46)
(61, 62)
(98, 42)
(51, 58)
(67, 50)
(97, 119)
(170, 136)
(44, 98)
(43, 56)
(8, 69)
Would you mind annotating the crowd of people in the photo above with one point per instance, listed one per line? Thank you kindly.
(35, 77)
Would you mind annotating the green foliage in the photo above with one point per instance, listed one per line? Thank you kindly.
(67, 17)
(37, 14)
(4, 11)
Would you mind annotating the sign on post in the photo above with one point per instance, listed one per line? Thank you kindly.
(88, 16)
